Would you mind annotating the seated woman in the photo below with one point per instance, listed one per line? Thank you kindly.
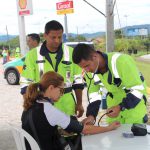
(46, 118)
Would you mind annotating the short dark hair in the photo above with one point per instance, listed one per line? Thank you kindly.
(82, 51)
(53, 25)
(34, 36)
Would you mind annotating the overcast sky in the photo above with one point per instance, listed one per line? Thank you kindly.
(84, 19)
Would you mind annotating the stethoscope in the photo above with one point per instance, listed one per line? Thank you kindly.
(91, 78)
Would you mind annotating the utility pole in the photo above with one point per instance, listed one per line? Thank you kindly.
(7, 37)
(126, 24)
(66, 26)
(22, 35)
(109, 26)
(109, 23)
(77, 31)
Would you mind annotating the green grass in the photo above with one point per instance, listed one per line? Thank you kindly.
(144, 67)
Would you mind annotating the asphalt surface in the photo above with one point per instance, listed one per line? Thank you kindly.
(145, 58)
(10, 111)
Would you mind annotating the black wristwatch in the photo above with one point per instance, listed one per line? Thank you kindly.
(122, 108)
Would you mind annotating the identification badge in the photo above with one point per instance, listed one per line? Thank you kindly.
(68, 75)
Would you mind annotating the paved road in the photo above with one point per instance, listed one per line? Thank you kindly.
(145, 58)
(10, 111)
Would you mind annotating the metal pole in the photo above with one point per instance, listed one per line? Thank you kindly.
(109, 26)
(22, 35)
(7, 37)
(66, 27)
(77, 31)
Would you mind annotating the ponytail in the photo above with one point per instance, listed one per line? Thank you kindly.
(33, 92)
(36, 90)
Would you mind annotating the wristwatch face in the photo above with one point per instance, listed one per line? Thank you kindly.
(123, 108)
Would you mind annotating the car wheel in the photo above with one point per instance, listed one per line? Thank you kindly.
(12, 77)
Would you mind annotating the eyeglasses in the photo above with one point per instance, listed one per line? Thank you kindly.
(61, 90)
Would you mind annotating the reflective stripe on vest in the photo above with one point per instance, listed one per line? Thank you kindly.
(25, 82)
(116, 75)
(137, 87)
(114, 66)
(94, 97)
(66, 53)
(40, 60)
(137, 93)
(78, 79)
(97, 80)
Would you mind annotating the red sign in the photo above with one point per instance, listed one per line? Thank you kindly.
(64, 5)
(26, 12)
(24, 7)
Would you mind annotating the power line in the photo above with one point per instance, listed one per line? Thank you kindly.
(119, 20)
(95, 8)
(113, 7)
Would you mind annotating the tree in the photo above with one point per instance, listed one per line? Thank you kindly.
(78, 38)
(118, 34)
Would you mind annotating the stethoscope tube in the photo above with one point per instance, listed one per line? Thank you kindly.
(89, 85)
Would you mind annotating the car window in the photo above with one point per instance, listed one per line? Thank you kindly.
(23, 58)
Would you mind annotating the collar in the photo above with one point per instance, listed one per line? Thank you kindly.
(105, 56)
(49, 100)
(44, 50)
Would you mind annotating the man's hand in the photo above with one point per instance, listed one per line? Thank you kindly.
(90, 120)
(115, 111)
(79, 110)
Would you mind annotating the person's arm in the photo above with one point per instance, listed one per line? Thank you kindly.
(92, 111)
(132, 82)
(79, 107)
(28, 73)
(77, 127)
(70, 123)
(91, 129)
(78, 86)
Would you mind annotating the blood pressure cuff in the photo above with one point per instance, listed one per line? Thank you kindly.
(93, 108)
(74, 125)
